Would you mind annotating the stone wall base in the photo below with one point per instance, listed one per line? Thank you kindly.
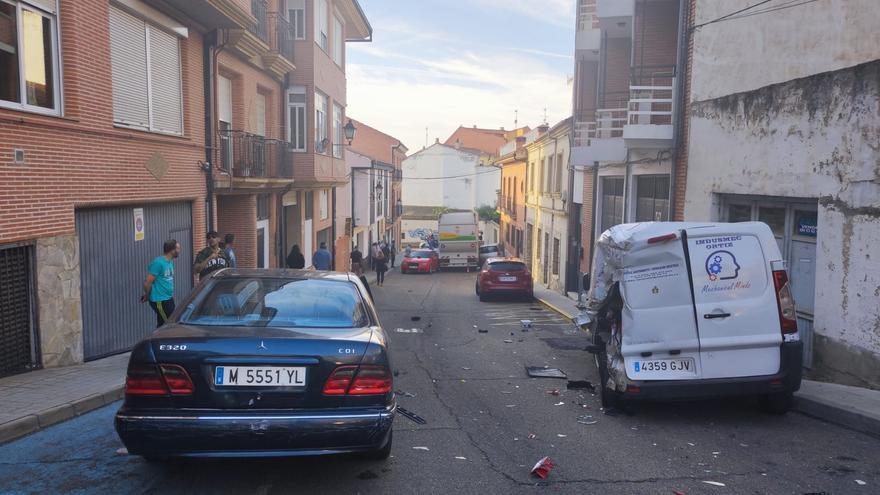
(838, 362)
(59, 300)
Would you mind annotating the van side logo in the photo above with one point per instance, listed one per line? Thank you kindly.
(722, 265)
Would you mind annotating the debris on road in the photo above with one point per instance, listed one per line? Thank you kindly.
(861, 483)
(421, 448)
(510, 405)
(508, 341)
(415, 418)
(460, 458)
(482, 330)
(714, 483)
(532, 436)
(526, 325)
(587, 419)
(545, 372)
(554, 391)
(542, 468)
(560, 435)
(466, 368)
(367, 475)
(415, 318)
(580, 385)
(408, 330)
(559, 404)
(404, 394)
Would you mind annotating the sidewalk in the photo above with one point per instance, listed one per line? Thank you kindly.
(35, 400)
(852, 407)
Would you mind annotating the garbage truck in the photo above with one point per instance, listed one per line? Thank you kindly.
(459, 240)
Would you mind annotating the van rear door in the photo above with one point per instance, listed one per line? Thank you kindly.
(735, 301)
(659, 335)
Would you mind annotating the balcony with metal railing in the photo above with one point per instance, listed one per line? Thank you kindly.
(249, 159)
(281, 36)
(260, 10)
(651, 106)
(598, 135)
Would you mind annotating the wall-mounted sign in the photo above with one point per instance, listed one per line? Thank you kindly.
(806, 225)
(139, 228)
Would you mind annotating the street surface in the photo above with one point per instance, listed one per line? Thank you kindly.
(481, 407)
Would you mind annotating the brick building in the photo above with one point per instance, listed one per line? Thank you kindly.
(99, 164)
(626, 124)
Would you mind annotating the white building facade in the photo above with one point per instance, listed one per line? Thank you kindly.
(790, 136)
(443, 176)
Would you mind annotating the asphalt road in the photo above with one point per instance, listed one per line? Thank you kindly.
(481, 409)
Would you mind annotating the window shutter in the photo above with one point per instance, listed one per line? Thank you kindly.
(128, 58)
(260, 115)
(224, 99)
(165, 81)
(47, 5)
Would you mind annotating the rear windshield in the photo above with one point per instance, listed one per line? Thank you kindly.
(420, 254)
(488, 249)
(271, 302)
(506, 266)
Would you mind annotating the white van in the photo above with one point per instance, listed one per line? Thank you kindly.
(689, 310)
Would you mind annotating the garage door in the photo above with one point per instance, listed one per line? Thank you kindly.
(113, 266)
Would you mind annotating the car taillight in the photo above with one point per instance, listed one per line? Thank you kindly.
(177, 379)
(145, 380)
(371, 380)
(787, 314)
(339, 380)
(358, 380)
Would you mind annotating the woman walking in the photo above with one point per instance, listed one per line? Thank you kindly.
(296, 259)
(381, 264)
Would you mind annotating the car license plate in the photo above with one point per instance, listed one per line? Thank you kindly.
(672, 367)
(414, 265)
(507, 279)
(259, 376)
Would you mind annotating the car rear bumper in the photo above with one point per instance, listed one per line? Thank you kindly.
(505, 289)
(788, 379)
(420, 269)
(242, 433)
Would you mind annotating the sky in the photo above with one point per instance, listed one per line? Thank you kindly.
(441, 64)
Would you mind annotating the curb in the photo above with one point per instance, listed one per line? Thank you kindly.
(835, 413)
(31, 423)
(554, 308)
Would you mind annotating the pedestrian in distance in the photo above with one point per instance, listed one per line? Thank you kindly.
(381, 265)
(357, 258)
(229, 248)
(211, 258)
(159, 284)
(322, 259)
(296, 259)
(393, 249)
(407, 250)
(374, 250)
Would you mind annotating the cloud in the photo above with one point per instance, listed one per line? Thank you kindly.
(554, 12)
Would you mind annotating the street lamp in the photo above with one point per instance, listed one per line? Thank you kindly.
(350, 130)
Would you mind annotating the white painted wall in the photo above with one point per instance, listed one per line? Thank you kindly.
(752, 52)
(816, 137)
(465, 184)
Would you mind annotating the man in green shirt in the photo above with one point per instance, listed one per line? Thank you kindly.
(159, 285)
(211, 258)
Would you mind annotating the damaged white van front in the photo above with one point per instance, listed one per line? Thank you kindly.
(692, 310)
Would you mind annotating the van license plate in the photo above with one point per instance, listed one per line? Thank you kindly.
(259, 376)
(653, 367)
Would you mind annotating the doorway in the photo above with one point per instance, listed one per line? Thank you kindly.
(262, 243)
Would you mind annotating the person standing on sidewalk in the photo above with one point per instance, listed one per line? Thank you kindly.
(381, 265)
(159, 284)
(322, 259)
(211, 258)
(392, 248)
(229, 249)
(357, 258)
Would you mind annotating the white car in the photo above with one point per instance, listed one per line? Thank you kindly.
(489, 251)
(693, 310)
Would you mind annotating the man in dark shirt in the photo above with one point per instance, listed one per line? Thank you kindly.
(211, 258)
(356, 259)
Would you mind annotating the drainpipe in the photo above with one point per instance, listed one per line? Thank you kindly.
(333, 228)
(679, 106)
(208, 167)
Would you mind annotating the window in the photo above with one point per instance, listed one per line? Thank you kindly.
(532, 177)
(612, 202)
(260, 114)
(296, 15)
(739, 213)
(320, 123)
(337, 131)
(309, 201)
(507, 266)
(555, 256)
(224, 116)
(557, 186)
(338, 41)
(263, 207)
(652, 198)
(145, 64)
(28, 56)
(321, 23)
(323, 204)
(543, 174)
(296, 118)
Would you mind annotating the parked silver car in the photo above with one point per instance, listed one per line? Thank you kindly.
(490, 251)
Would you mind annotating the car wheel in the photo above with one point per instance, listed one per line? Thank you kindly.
(779, 403)
(477, 289)
(483, 297)
(383, 453)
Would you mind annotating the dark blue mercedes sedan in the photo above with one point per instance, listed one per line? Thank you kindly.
(263, 363)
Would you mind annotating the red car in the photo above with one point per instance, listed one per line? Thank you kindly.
(504, 276)
(420, 261)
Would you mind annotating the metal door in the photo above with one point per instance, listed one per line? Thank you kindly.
(113, 266)
(18, 351)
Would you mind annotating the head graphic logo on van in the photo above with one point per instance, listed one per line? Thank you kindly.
(722, 265)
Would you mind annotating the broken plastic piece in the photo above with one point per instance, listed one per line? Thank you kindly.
(421, 448)
(861, 483)
(544, 372)
(482, 330)
(508, 341)
(580, 385)
(415, 318)
(415, 418)
(554, 391)
(542, 468)
(714, 483)
(532, 436)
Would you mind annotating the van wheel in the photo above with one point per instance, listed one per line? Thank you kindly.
(779, 403)
(609, 397)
